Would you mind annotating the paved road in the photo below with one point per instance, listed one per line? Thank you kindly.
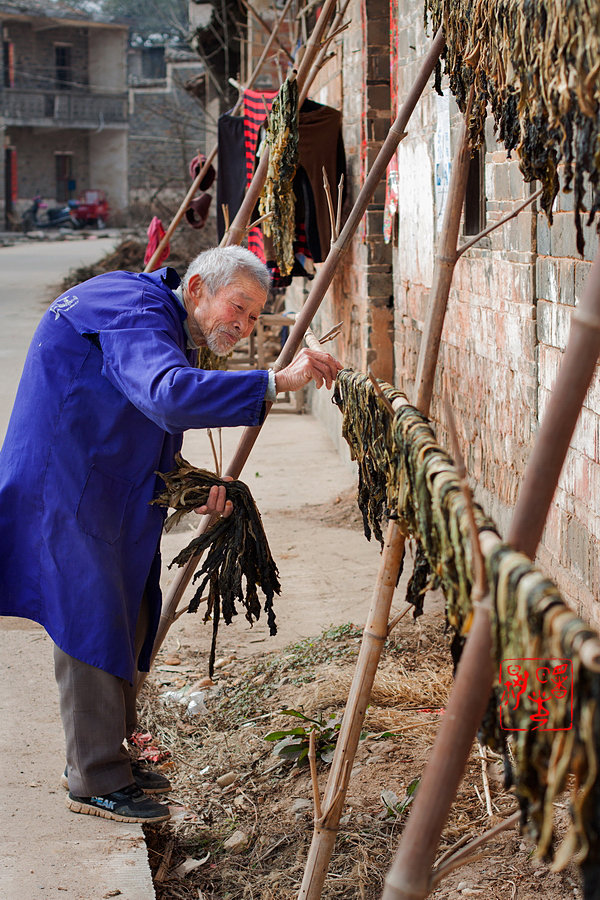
(47, 851)
(30, 275)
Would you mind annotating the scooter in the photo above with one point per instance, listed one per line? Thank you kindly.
(55, 217)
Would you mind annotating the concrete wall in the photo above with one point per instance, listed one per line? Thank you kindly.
(108, 166)
(107, 60)
(35, 160)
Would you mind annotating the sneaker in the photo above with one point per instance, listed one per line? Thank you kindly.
(148, 780)
(127, 805)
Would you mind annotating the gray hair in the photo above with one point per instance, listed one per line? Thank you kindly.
(220, 266)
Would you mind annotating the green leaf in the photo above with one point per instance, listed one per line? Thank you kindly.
(299, 715)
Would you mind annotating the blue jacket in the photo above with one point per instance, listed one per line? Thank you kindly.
(106, 392)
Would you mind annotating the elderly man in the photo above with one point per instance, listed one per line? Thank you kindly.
(109, 385)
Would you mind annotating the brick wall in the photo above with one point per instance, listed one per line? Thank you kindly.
(505, 331)
(572, 535)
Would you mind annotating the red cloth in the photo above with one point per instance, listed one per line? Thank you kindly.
(254, 116)
(156, 232)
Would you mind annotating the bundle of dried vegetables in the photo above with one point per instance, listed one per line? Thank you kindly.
(277, 196)
(404, 472)
(537, 63)
(534, 628)
(238, 561)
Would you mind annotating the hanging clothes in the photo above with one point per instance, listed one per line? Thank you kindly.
(156, 233)
(231, 168)
(320, 145)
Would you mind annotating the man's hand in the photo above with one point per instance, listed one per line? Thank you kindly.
(217, 503)
(308, 365)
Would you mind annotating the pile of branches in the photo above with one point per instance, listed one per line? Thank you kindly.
(537, 64)
(405, 474)
(238, 561)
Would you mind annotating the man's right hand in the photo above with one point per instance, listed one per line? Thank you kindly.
(308, 365)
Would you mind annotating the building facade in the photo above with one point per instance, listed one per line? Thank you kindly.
(63, 106)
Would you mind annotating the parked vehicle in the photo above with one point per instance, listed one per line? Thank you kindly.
(92, 208)
(53, 217)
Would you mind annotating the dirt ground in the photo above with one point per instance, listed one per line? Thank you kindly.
(230, 788)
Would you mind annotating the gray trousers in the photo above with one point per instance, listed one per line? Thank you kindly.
(98, 712)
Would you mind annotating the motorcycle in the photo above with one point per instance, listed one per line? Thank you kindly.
(54, 217)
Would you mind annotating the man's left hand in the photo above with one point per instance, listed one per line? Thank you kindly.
(217, 503)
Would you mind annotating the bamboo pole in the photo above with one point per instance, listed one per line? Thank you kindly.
(376, 630)
(319, 288)
(153, 263)
(410, 875)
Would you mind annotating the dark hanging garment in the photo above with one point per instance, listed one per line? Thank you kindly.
(231, 167)
(321, 145)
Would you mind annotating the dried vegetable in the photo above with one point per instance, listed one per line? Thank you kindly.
(537, 64)
(531, 623)
(277, 195)
(403, 472)
(238, 561)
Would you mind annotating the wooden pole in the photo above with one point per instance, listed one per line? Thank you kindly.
(154, 261)
(376, 630)
(410, 875)
(304, 317)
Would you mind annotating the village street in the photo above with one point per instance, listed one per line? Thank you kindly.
(327, 575)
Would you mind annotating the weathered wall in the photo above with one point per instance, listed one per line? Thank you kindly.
(36, 167)
(107, 60)
(108, 166)
(570, 550)
(34, 55)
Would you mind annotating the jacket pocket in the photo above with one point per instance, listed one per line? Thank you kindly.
(101, 508)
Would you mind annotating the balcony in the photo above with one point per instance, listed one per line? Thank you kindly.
(62, 109)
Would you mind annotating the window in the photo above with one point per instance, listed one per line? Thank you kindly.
(475, 195)
(62, 61)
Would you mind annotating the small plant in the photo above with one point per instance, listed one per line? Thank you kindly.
(393, 806)
(293, 743)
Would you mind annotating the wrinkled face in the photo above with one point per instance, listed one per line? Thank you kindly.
(220, 320)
